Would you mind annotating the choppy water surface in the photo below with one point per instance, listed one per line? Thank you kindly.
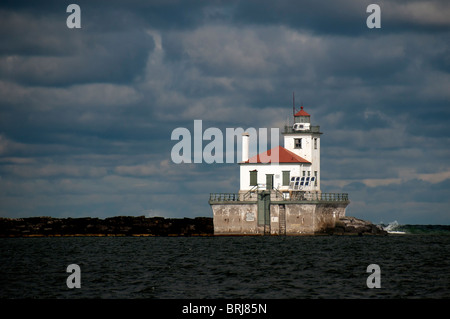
(412, 266)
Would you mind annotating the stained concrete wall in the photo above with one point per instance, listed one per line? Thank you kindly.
(300, 218)
(236, 219)
(310, 218)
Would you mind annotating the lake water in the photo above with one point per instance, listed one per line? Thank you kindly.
(411, 266)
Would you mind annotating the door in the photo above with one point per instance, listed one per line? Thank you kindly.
(269, 181)
(264, 211)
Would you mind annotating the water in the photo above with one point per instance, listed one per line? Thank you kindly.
(412, 266)
(395, 227)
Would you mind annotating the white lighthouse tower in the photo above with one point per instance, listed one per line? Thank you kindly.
(303, 139)
(296, 166)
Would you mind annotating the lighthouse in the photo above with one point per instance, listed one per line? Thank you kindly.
(303, 139)
(282, 196)
(294, 167)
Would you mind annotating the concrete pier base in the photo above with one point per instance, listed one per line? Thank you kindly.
(276, 217)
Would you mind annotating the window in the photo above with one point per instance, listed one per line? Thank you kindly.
(315, 180)
(315, 143)
(286, 178)
(297, 143)
(304, 173)
(253, 178)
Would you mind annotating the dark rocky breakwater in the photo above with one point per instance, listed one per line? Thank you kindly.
(113, 226)
(143, 226)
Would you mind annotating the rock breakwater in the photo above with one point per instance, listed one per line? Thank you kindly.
(145, 226)
(113, 226)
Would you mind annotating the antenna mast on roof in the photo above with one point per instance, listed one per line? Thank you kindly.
(293, 103)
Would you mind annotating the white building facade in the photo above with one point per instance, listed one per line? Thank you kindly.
(294, 167)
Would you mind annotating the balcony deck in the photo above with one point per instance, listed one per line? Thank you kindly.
(312, 129)
(299, 196)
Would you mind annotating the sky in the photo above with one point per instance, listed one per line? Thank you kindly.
(86, 114)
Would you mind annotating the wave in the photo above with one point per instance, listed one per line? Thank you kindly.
(396, 228)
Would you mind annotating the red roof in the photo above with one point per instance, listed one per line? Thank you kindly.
(284, 156)
(301, 113)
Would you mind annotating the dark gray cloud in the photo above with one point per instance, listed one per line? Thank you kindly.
(40, 54)
(86, 115)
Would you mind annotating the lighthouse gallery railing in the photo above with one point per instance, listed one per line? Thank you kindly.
(313, 196)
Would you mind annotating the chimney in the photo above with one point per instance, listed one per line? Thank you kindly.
(245, 139)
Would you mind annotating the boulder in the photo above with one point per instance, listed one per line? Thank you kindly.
(354, 226)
